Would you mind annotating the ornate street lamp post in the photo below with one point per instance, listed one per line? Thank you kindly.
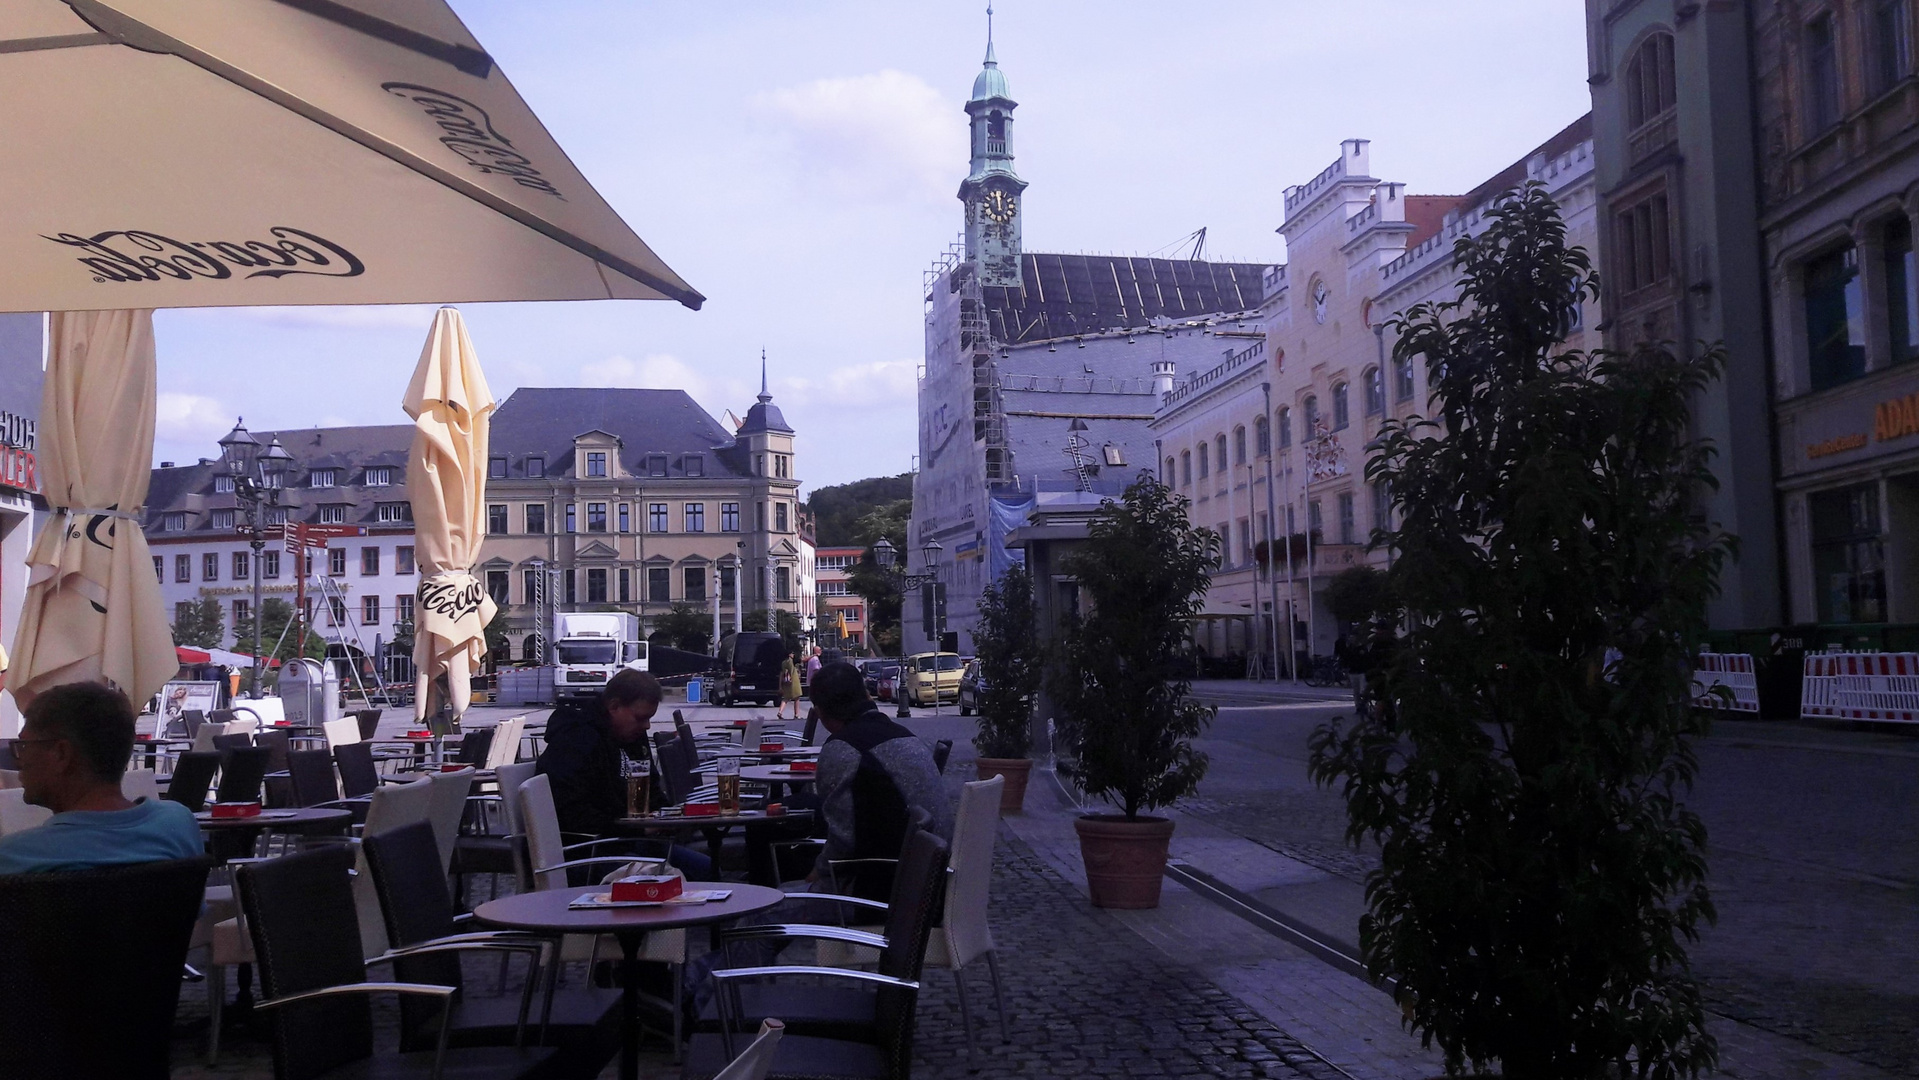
(887, 556)
(258, 475)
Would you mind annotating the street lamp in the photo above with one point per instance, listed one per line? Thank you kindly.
(887, 556)
(258, 475)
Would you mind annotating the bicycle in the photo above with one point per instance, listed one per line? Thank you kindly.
(1326, 671)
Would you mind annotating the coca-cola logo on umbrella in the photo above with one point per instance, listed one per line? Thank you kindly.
(141, 255)
(468, 131)
(455, 597)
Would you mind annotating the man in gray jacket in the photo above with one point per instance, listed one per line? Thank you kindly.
(873, 774)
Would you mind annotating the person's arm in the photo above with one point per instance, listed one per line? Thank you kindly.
(578, 804)
(839, 763)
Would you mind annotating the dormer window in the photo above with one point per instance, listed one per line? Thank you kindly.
(173, 523)
(323, 478)
(223, 485)
(379, 476)
(656, 465)
(221, 519)
(694, 464)
(536, 467)
(496, 468)
(596, 463)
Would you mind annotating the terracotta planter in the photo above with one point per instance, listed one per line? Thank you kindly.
(1125, 860)
(1012, 797)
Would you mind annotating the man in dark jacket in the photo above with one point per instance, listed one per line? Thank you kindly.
(584, 744)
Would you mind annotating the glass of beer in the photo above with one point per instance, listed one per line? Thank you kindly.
(639, 775)
(728, 779)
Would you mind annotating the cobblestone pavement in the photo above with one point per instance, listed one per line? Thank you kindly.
(1813, 858)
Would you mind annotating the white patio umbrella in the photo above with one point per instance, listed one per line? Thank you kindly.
(93, 610)
(213, 153)
(446, 481)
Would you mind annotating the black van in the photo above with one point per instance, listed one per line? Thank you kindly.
(749, 668)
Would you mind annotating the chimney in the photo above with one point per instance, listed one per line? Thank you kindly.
(1162, 376)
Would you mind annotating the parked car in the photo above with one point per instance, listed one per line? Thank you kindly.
(971, 685)
(932, 677)
(749, 668)
(882, 675)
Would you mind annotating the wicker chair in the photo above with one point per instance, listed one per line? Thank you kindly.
(91, 953)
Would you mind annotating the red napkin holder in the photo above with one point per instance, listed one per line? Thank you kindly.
(420, 734)
(701, 809)
(802, 766)
(771, 747)
(775, 809)
(451, 767)
(235, 809)
(653, 887)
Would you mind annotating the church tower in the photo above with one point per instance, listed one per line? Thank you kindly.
(991, 190)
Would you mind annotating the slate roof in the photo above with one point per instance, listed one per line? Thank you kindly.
(350, 450)
(1063, 295)
(543, 421)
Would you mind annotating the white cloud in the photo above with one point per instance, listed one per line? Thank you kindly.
(660, 371)
(374, 317)
(189, 418)
(884, 134)
(878, 384)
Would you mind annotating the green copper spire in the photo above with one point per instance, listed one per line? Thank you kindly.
(990, 84)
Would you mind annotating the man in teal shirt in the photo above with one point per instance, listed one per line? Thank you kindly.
(72, 750)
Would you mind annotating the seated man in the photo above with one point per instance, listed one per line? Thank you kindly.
(72, 751)
(584, 743)
(872, 773)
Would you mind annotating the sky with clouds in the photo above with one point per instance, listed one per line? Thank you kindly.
(797, 163)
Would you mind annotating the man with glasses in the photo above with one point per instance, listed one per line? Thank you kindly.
(72, 751)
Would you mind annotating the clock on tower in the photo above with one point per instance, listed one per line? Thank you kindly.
(991, 190)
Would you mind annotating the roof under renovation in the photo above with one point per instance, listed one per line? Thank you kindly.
(1064, 295)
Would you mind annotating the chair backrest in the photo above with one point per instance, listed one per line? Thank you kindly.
(417, 907)
(193, 777)
(368, 721)
(19, 815)
(242, 723)
(203, 739)
(277, 743)
(394, 806)
(300, 911)
(241, 773)
(975, 829)
(342, 732)
(137, 784)
(942, 750)
(505, 747)
(90, 975)
(475, 745)
(358, 775)
(509, 778)
(750, 738)
(232, 740)
(311, 775)
(677, 760)
(192, 719)
(544, 845)
(450, 790)
(756, 1060)
(812, 730)
(918, 887)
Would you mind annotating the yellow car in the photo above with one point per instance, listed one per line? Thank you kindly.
(931, 677)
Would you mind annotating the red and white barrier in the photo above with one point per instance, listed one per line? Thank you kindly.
(1735, 672)
(1861, 686)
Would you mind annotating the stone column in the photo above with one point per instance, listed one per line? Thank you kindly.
(1869, 246)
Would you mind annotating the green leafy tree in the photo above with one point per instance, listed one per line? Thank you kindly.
(499, 641)
(684, 627)
(1127, 716)
(275, 615)
(880, 588)
(888, 520)
(200, 624)
(837, 508)
(1525, 769)
(1006, 640)
(780, 621)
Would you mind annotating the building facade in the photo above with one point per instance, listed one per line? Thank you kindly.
(1672, 95)
(838, 603)
(1270, 442)
(1040, 368)
(22, 508)
(1837, 118)
(638, 501)
(348, 480)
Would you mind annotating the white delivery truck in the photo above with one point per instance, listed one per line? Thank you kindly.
(589, 646)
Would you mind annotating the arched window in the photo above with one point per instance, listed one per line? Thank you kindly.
(1403, 378)
(1311, 430)
(530, 650)
(1239, 445)
(1221, 442)
(1285, 427)
(1342, 411)
(1262, 436)
(1375, 392)
(1186, 467)
(1170, 476)
(1649, 83)
(1204, 470)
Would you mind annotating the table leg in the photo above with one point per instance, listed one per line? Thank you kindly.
(630, 1006)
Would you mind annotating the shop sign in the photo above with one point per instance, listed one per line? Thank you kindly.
(1896, 418)
(1837, 445)
(17, 466)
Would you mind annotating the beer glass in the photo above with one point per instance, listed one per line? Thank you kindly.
(728, 779)
(639, 786)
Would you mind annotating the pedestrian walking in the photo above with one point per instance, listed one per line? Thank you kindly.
(813, 663)
(790, 685)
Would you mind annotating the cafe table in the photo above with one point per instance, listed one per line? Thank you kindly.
(776, 775)
(548, 912)
(238, 834)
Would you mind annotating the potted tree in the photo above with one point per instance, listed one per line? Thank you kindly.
(1006, 642)
(1525, 765)
(1126, 716)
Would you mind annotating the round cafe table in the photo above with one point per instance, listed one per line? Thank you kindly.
(546, 912)
(233, 836)
(777, 774)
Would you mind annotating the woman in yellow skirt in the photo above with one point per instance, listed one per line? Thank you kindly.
(790, 687)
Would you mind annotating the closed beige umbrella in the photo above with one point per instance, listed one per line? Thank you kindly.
(446, 479)
(93, 609)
